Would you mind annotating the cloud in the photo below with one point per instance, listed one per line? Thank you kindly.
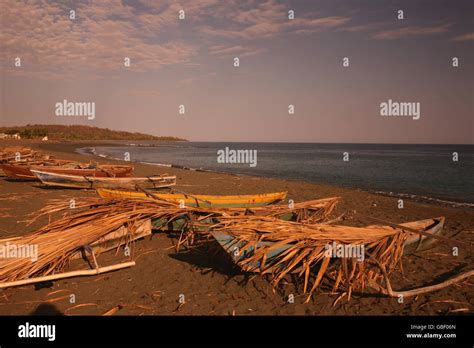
(102, 35)
(363, 27)
(268, 19)
(464, 37)
(190, 80)
(223, 49)
(237, 51)
(323, 22)
(95, 44)
(410, 32)
(144, 92)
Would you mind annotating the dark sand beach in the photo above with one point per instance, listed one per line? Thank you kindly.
(208, 280)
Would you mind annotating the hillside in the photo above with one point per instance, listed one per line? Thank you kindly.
(79, 132)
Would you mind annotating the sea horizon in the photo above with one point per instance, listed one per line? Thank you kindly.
(419, 171)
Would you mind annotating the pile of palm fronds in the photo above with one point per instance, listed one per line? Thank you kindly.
(197, 221)
(95, 218)
(191, 221)
(257, 232)
(59, 241)
(314, 211)
(279, 247)
(310, 211)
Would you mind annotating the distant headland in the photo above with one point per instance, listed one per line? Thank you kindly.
(76, 132)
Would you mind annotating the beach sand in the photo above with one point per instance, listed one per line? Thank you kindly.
(211, 285)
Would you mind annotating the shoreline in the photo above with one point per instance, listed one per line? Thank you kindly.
(210, 281)
(439, 201)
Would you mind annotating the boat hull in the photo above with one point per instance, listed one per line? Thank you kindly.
(24, 171)
(90, 182)
(202, 200)
(416, 242)
(412, 243)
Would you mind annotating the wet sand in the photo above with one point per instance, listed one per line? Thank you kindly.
(211, 285)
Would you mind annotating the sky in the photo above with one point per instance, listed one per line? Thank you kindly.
(282, 62)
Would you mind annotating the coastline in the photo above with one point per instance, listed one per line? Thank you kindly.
(400, 195)
(221, 291)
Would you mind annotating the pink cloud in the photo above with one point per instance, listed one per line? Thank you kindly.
(235, 51)
(224, 50)
(464, 37)
(98, 40)
(105, 32)
(411, 31)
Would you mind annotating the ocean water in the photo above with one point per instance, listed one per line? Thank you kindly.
(421, 170)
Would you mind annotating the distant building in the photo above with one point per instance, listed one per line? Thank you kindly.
(10, 136)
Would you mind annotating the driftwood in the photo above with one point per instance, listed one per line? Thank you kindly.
(413, 292)
(67, 275)
(112, 311)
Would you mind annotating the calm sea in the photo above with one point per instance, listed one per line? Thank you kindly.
(421, 170)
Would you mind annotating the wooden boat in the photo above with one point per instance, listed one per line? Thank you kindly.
(416, 242)
(255, 200)
(314, 211)
(24, 171)
(412, 243)
(93, 182)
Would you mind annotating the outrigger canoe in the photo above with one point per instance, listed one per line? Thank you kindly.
(314, 211)
(254, 200)
(92, 182)
(24, 171)
(414, 242)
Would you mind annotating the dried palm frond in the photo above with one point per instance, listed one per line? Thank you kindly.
(196, 220)
(266, 243)
(92, 219)
(49, 250)
(313, 211)
(280, 247)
